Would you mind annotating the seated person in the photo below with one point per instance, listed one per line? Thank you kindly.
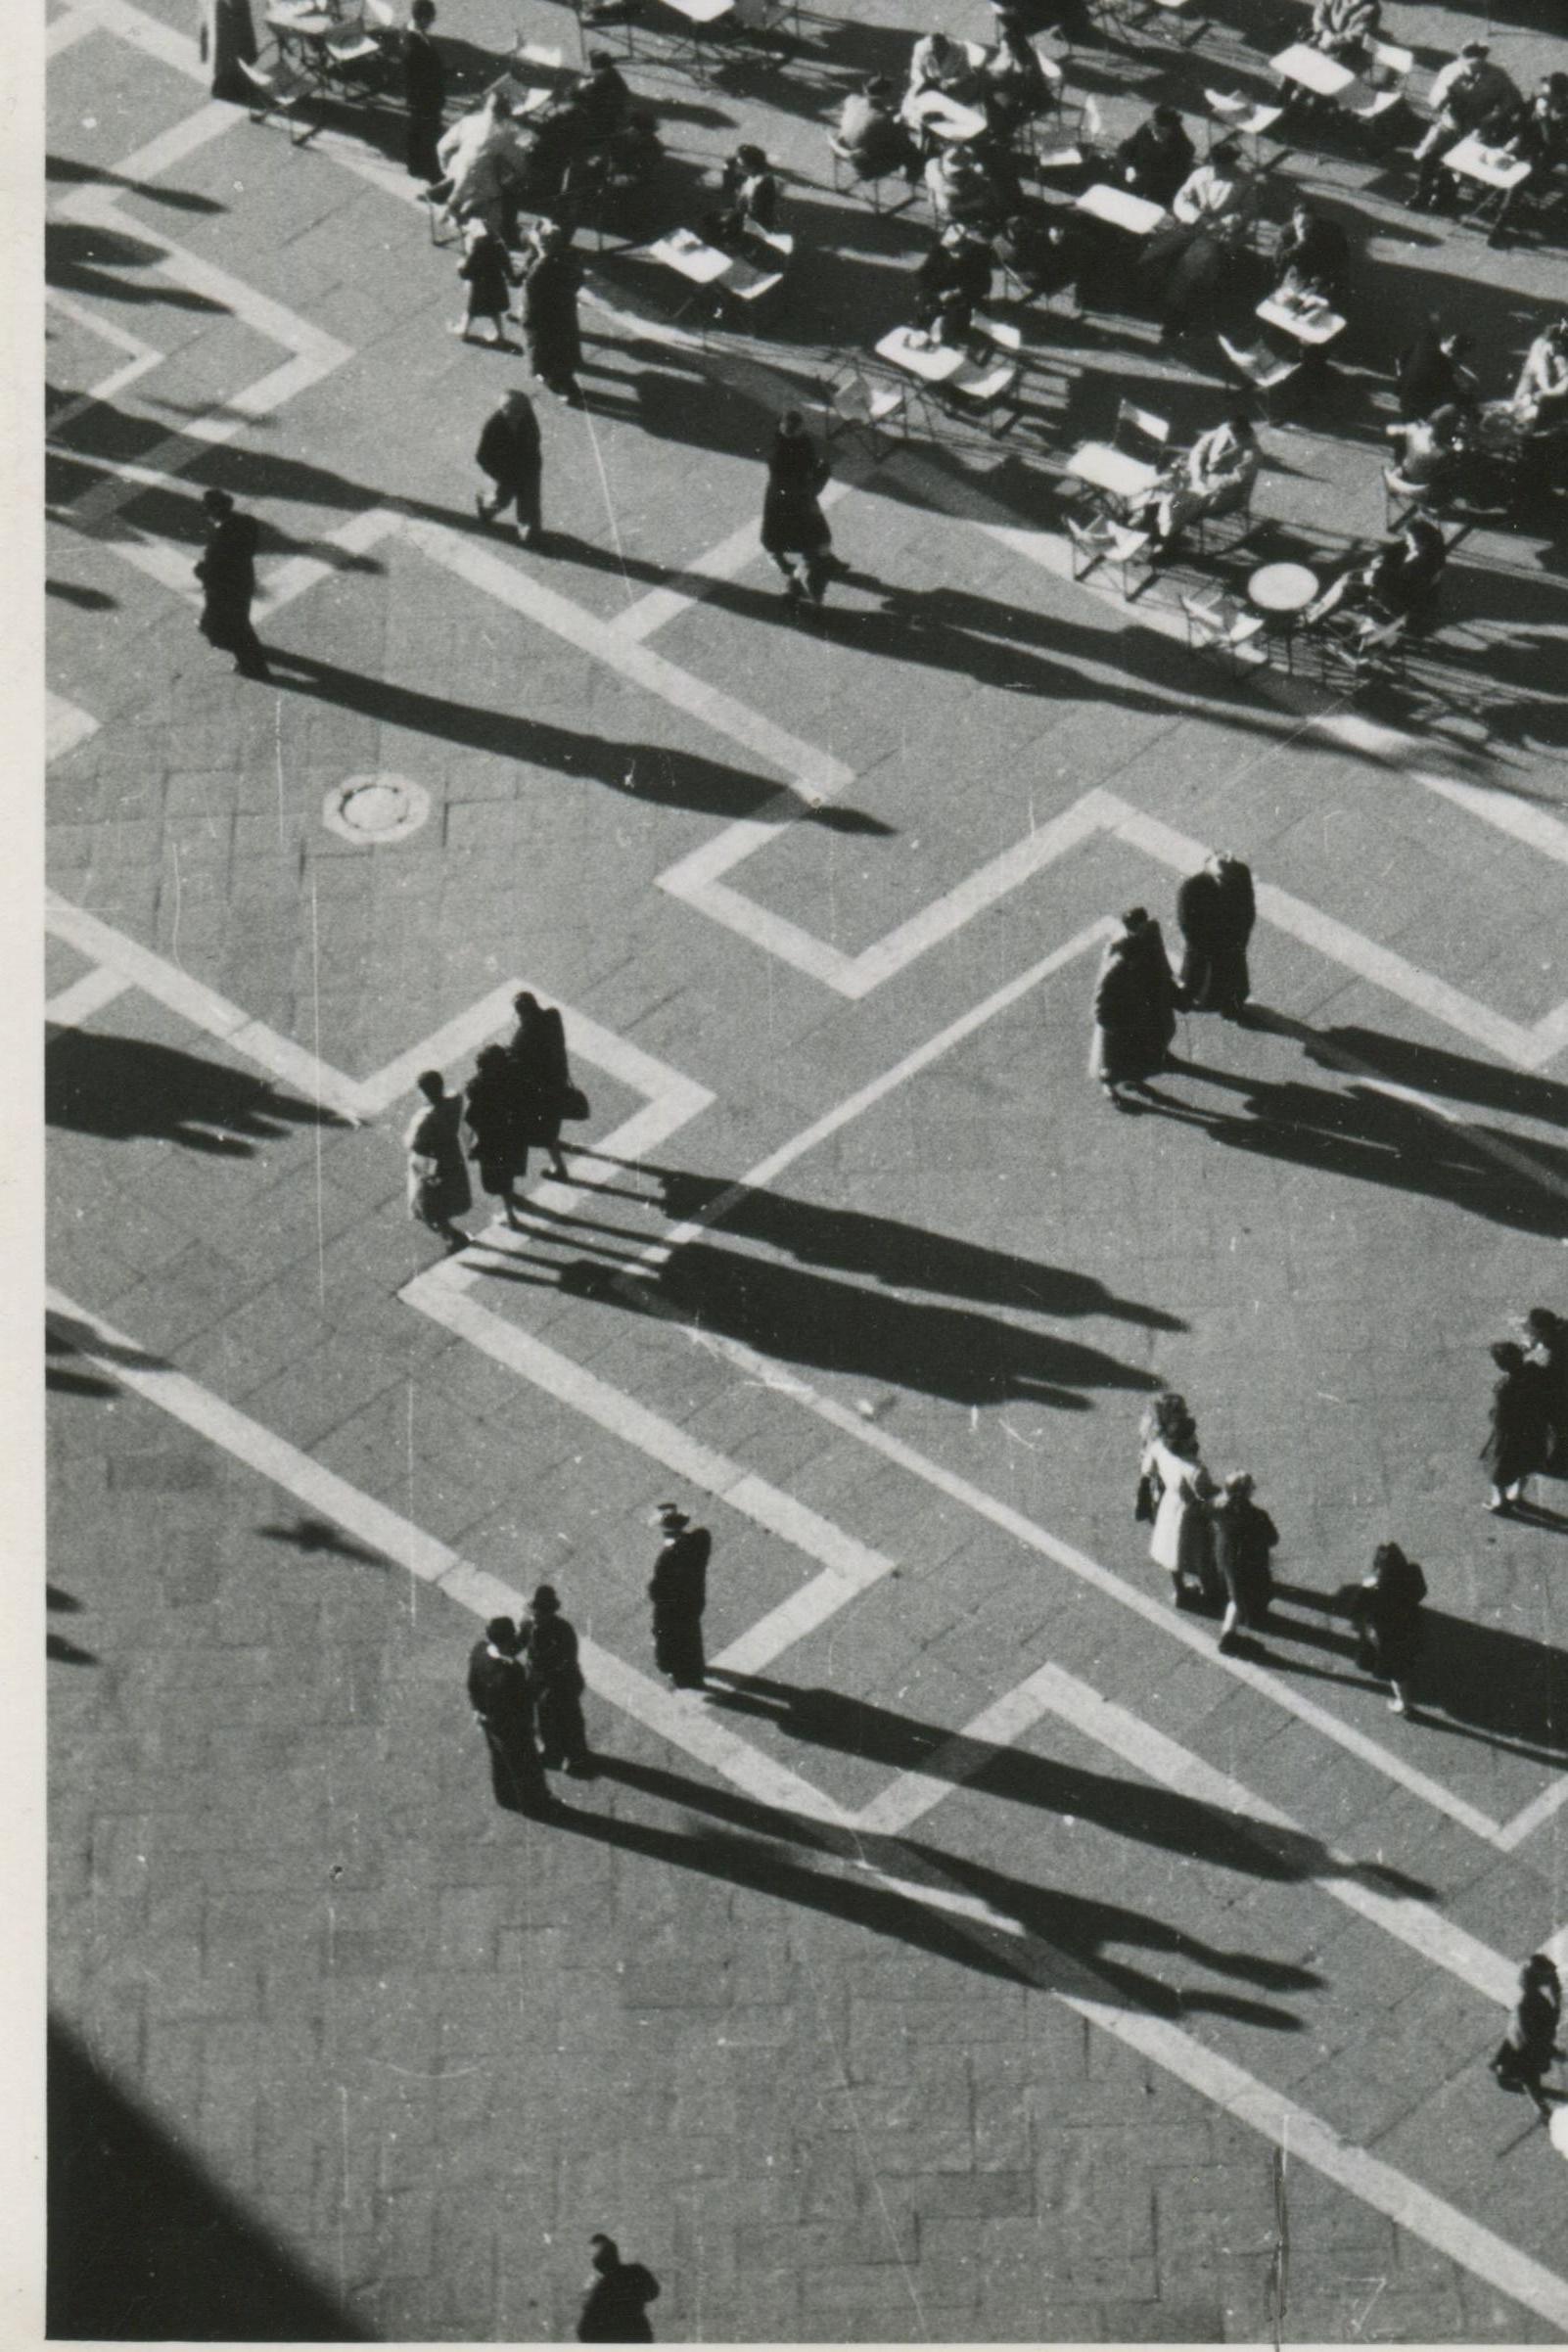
(1014, 88)
(1213, 477)
(1157, 158)
(1343, 28)
(1427, 450)
(952, 279)
(1044, 251)
(1218, 195)
(630, 158)
(1311, 254)
(937, 63)
(1429, 374)
(1469, 92)
(752, 201)
(1537, 134)
(962, 194)
(871, 138)
(602, 102)
(1399, 582)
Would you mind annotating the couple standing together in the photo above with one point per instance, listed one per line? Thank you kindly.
(1138, 997)
(516, 1100)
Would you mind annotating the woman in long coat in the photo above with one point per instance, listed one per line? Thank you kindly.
(1215, 910)
(439, 1189)
(550, 1653)
(540, 1075)
(550, 314)
(1134, 1008)
(494, 1119)
(1182, 1541)
(1530, 2045)
(1243, 1536)
(792, 521)
(1516, 1442)
(1386, 1612)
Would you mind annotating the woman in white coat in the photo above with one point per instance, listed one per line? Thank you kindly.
(1180, 1542)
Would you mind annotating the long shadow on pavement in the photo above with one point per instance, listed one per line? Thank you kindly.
(1066, 1941)
(117, 1087)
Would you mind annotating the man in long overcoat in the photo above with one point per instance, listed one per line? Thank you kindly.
(503, 1707)
(678, 1590)
(227, 574)
(551, 313)
(424, 93)
(509, 451)
(1215, 910)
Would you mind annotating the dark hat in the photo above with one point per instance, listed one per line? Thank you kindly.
(546, 1600)
(669, 1514)
(217, 503)
(1476, 49)
(501, 1633)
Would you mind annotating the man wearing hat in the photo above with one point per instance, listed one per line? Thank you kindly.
(503, 1708)
(227, 574)
(550, 1651)
(1466, 96)
(678, 1590)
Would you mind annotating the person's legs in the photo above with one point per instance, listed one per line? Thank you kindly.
(249, 654)
(1399, 1703)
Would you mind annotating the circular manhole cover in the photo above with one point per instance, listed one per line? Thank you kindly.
(376, 809)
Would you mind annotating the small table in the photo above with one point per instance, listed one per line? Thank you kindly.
(1120, 208)
(1309, 323)
(699, 16)
(1311, 70)
(524, 98)
(1125, 481)
(943, 116)
(1493, 169)
(684, 252)
(1281, 593)
(926, 361)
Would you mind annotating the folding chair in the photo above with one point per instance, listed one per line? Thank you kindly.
(1104, 541)
(1233, 507)
(1171, 20)
(1398, 65)
(1234, 117)
(853, 403)
(988, 389)
(278, 89)
(1401, 497)
(1139, 433)
(1354, 653)
(1217, 625)
(749, 283)
(353, 54)
(1265, 370)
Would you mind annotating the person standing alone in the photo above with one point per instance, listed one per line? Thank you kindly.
(794, 525)
(678, 1590)
(227, 574)
(424, 93)
(510, 452)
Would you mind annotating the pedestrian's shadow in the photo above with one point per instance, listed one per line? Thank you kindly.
(1009, 1927)
(1129, 1808)
(117, 1087)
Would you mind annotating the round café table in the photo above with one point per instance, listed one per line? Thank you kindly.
(1281, 593)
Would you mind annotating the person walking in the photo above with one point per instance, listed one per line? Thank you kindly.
(424, 94)
(541, 1075)
(511, 454)
(503, 1708)
(793, 526)
(550, 286)
(1516, 1442)
(494, 1120)
(1547, 1346)
(1243, 1536)
(486, 270)
(1529, 2047)
(678, 1590)
(614, 2305)
(1179, 1489)
(1215, 910)
(550, 1654)
(1385, 1608)
(1134, 1008)
(227, 574)
(439, 1189)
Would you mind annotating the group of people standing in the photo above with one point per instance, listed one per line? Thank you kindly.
(1138, 995)
(1529, 1423)
(515, 1103)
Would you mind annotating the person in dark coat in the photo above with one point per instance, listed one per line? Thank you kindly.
(1385, 1609)
(1530, 2046)
(1547, 1346)
(550, 290)
(227, 574)
(424, 93)
(1516, 1442)
(678, 1590)
(1215, 910)
(503, 1708)
(1311, 254)
(1134, 1008)
(614, 2308)
(1154, 160)
(952, 279)
(550, 1654)
(541, 1075)
(511, 454)
(1243, 1536)
(493, 1116)
(439, 1189)
(485, 269)
(752, 202)
(794, 525)
(1430, 374)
